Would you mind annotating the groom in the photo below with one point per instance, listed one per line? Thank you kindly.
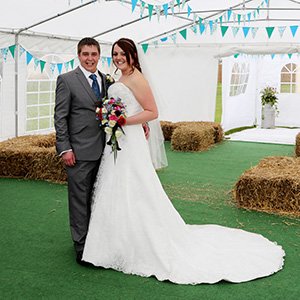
(79, 140)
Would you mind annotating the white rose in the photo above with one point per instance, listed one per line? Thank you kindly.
(118, 133)
(108, 130)
(104, 110)
(97, 110)
(103, 122)
(112, 123)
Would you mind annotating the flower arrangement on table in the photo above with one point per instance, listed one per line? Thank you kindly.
(112, 116)
(269, 95)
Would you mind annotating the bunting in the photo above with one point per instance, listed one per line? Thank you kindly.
(166, 7)
(4, 53)
(133, 3)
(150, 9)
(194, 28)
(108, 59)
(235, 30)
(21, 50)
(254, 31)
(66, 65)
(172, 6)
(202, 28)
(224, 29)
(142, 9)
(158, 10)
(145, 47)
(42, 64)
(246, 30)
(270, 31)
(281, 30)
(173, 37)
(12, 50)
(294, 30)
(183, 33)
(239, 19)
(29, 57)
(290, 55)
(38, 62)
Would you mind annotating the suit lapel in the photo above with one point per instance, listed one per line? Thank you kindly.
(86, 85)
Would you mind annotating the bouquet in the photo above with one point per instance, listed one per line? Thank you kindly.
(112, 116)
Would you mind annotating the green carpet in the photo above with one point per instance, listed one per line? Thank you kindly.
(38, 260)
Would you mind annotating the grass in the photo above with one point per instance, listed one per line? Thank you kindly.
(38, 260)
(218, 111)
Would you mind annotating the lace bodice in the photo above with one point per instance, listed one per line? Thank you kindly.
(120, 90)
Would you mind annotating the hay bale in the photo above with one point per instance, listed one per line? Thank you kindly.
(297, 145)
(272, 186)
(195, 135)
(168, 129)
(192, 137)
(32, 157)
(219, 133)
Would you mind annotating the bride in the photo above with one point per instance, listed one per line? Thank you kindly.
(134, 227)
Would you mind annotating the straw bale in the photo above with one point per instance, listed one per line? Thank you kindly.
(219, 133)
(32, 157)
(192, 137)
(297, 145)
(272, 186)
(168, 129)
(195, 135)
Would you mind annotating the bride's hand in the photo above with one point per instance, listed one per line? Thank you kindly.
(147, 130)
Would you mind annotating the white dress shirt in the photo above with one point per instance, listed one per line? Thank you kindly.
(87, 75)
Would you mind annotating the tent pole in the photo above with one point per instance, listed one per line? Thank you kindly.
(17, 84)
(57, 16)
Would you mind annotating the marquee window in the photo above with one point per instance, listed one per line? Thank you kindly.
(239, 79)
(40, 96)
(290, 79)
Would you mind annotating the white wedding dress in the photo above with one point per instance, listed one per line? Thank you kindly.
(134, 227)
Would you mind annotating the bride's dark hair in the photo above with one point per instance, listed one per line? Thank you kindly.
(129, 47)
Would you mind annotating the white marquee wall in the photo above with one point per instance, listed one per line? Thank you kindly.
(238, 111)
(185, 81)
(245, 109)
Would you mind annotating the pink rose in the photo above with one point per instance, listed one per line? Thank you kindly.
(113, 117)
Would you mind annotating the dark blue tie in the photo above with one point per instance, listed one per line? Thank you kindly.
(95, 85)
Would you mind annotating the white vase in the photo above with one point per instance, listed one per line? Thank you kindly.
(268, 116)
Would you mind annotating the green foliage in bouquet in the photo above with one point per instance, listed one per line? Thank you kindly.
(269, 95)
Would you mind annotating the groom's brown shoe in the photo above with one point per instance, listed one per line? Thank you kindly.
(82, 262)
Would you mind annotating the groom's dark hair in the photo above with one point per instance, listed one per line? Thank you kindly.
(87, 41)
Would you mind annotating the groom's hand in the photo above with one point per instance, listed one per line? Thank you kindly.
(68, 158)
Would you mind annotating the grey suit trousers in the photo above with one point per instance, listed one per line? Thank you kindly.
(81, 179)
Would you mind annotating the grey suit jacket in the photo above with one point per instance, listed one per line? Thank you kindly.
(74, 116)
